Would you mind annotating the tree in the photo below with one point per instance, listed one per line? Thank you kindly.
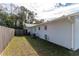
(30, 16)
(17, 17)
(3, 17)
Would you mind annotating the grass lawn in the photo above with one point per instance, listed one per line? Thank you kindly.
(45, 48)
(19, 46)
(30, 46)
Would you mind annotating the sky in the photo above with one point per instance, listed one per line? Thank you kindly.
(39, 6)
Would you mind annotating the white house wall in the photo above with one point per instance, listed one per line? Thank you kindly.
(76, 39)
(58, 32)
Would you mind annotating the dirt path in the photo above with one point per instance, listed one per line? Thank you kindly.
(19, 46)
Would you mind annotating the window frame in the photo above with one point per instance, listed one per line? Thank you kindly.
(45, 27)
(39, 28)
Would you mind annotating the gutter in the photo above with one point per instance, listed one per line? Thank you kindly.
(63, 16)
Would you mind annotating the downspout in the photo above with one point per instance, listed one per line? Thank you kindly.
(72, 36)
(72, 31)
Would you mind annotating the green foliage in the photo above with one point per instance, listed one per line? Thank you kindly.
(16, 20)
(6, 20)
(22, 17)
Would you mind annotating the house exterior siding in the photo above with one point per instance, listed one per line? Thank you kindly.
(58, 32)
(64, 32)
(76, 33)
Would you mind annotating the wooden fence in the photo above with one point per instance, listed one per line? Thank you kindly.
(5, 36)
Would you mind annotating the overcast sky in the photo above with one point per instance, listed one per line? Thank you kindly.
(39, 6)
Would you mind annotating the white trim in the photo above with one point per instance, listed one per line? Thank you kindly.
(73, 36)
(64, 16)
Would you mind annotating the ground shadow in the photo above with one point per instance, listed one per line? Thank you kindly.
(45, 48)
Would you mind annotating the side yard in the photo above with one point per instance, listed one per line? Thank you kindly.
(19, 46)
(32, 46)
(45, 48)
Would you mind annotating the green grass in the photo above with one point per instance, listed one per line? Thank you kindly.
(19, 46)
(45, 48)
(29, 46)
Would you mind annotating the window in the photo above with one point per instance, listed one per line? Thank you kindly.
(45, 36)
(35, 28)
(38, 28)
(45, 27)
